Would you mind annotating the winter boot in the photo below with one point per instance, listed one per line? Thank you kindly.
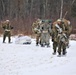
(36, 43)
(64, 52)
(54, 53)
(42, 45)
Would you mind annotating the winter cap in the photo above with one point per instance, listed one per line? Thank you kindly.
(7, 20)
(59, 20)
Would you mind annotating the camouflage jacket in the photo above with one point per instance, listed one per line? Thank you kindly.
(36, 27)
(7, 27)
(57, 29)
(45, 28)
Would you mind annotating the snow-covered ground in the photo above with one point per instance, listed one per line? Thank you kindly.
(17, 59)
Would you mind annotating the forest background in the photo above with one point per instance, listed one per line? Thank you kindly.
(22, 13)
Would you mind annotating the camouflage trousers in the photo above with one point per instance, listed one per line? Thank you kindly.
(61, 48)
(55, 45)
(7, 34)
(45, 38)
(37, 39)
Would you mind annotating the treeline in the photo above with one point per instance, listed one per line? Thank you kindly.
(22, 13)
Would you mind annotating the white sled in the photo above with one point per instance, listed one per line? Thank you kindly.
(23, 40)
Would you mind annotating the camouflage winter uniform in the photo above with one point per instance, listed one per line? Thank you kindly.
(58, 28)
(62, 38)
(7, 31)
(45, 34)
(36, 30)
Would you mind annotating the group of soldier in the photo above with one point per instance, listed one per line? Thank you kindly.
(59, 30)
(42, 31)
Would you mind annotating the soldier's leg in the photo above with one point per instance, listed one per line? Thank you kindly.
(4, 37)
(47, 40)
(37, 39)
(64, 49)
(42, 39)
(9, 37)
(59, 48)
(54, 47)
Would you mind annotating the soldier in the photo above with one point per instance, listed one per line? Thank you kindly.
(61, 28)
(61, 37)
(57, 28)
(7, 31)
(36, 30)
(45, 34)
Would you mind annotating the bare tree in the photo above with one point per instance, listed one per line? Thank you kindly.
(22, 13)
(61, 9)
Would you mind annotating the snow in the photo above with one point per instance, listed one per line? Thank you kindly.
(29, 59)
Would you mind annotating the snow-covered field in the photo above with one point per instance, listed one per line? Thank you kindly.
(18, 59)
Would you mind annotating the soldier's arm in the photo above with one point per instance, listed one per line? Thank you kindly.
(3, 27)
